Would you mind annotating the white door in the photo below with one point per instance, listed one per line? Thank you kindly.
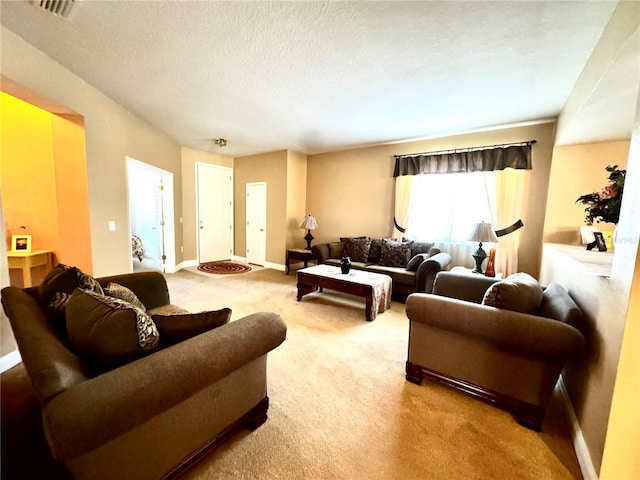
(215, 212)
(256, 223)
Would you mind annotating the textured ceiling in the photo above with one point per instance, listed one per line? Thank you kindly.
(321, 76)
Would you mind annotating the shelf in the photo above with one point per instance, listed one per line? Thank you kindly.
(592, 262)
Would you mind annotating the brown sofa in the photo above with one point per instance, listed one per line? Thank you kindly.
(154, 416)
(415, 273)
(511, 359)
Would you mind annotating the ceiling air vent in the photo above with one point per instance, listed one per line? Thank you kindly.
(60, 8)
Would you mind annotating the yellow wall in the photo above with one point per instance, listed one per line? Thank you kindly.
(577, 170)
(352, 192)
(112, 133)
(270, 168)
(44, 182)
(296, 199)
(189, 190)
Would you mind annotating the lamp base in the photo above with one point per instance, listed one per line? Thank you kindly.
(479, 255)
(308, 237)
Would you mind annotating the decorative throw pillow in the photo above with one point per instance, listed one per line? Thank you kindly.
(60, 278)
(519, 292)
(123, 293)
(106, 331)
(357, 249)
(178, 327)
(375, 250)
(336, 249)
(415, 262)
(394, 254)
(420, 247)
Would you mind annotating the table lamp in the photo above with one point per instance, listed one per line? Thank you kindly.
(482, 232)
(310, 224)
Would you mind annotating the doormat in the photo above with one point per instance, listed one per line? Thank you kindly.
(224, 268)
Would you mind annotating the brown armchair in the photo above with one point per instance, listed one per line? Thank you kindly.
(508, 358)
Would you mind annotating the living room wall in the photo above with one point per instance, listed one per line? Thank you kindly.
(112, 134)
(577, 170)
(44, 183)
(351, 192)
(270, 168)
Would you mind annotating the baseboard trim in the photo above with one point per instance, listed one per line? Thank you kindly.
(10, 360)
(579, 444)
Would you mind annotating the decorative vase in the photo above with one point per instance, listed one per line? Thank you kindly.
(345, 265)
(491, 269)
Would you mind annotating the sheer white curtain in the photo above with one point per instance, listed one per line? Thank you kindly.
(506, 192)
(445, 207)
(403, 203)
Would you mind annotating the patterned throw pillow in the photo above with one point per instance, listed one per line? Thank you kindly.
(375, 251)
(178, 327)
(357, 249)
(519, 292)
(108, 332)
(420, 247)
(395, 254)
(123, 293)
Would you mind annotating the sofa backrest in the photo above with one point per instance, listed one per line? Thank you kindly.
(51, 366)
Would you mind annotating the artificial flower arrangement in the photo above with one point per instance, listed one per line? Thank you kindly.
(604, 205)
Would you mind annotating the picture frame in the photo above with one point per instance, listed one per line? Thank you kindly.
(600, 243)
(21, 243)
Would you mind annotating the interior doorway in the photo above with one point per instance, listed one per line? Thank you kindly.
(150, 191)
(257, 222)
(214, 212)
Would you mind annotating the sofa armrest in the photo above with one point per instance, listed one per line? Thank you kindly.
(462, 286)
(107, 406)
(428, 269)
(150, 287)
(519, 332)
(321, 252)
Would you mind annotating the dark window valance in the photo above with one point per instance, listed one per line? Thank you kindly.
(478, 159)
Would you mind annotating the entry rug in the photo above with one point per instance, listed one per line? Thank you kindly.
(224, 268)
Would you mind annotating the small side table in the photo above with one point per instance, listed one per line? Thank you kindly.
(469, 271)
(25, 261)
(299, 254)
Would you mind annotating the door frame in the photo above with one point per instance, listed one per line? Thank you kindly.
(231, 206)
(247, 185)
(169, 235)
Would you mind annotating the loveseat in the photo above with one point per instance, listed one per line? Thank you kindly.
(154, 416)
(412, 266)
(503, 341)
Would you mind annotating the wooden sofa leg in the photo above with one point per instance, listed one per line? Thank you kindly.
(414, 373)
(530, 416)
(258, 414)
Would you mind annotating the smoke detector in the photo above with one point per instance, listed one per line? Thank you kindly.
(221, 142)
(59, 8)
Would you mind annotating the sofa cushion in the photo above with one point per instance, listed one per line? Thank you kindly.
(416, 261)
(395, 254)
(420, 247)
(399, 275)
(106, 331)
(557, 304)
(178, 327)
(375, 250)
(357, 249)
(123, 293)
(336, 249)
(519, 292)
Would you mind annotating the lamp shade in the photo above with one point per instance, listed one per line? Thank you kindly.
(483, 232)
(309, 223)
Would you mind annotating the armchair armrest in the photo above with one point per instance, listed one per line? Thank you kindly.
(427, 271)
(462, 286)
(520, 332)
(91, 413)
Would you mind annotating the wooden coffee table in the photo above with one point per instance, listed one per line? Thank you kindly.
(374, 287)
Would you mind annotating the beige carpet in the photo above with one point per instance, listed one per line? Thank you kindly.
(341, 408)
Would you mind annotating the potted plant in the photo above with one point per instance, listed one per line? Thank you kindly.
(604, 205)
